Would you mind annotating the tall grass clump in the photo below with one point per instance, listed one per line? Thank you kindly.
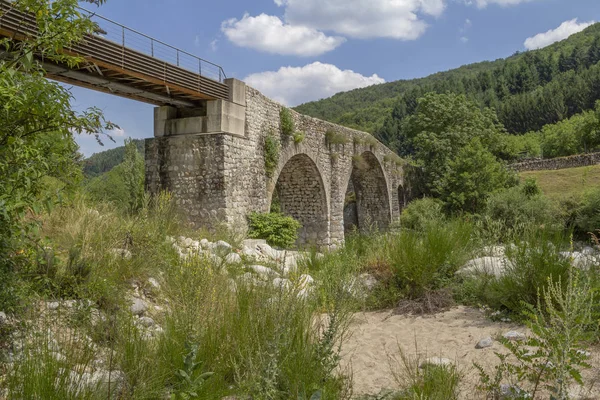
(427, 260)
(253, 340)
(530, 261)
(420, 380)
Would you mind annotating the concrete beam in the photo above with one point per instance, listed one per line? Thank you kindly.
(221, 117)
(237, 91)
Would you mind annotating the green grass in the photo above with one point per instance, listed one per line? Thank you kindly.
(564, 183)
(254, 340)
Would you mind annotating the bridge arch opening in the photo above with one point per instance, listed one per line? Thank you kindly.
(367, 203)
(300, 193)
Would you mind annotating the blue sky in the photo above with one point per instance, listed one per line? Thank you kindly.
(301, 50)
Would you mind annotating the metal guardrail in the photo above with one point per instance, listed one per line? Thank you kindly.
(131, 39)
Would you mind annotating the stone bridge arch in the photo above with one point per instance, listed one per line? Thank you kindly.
(300, 189)
(213, 160)
(368, 184)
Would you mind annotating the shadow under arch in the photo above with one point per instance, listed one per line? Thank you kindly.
(300, 193)
(367, 202)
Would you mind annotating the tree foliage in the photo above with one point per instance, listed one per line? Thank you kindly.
(528, 91)
(37, 122)
(457, 146)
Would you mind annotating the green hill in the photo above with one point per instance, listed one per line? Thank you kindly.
(104, 161)
(528, 90)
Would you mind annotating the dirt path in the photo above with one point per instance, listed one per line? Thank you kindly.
(377, 336)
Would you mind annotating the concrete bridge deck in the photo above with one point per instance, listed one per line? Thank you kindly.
(127, 63)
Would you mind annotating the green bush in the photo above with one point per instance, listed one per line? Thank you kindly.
(588, 216)
(277, 229)
(420, 213)
(516, 208)
(288, 127)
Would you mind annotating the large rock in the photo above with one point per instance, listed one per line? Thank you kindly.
(223, 247)
(281, 283)
(264, 272)
(138, 306)
(233, 258)
(305, 281)
(581, 260)
(99, 381)
(495, 266)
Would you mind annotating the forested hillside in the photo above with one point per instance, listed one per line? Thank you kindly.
(104, 161)
(528, 90)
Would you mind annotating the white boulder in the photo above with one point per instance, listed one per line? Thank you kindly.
(495, 266)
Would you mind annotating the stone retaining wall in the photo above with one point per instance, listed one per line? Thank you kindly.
(581, 160)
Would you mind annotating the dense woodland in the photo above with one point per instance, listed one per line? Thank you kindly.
(528, 91)
(104, 161)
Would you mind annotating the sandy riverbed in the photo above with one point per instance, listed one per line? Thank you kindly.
(376, 337)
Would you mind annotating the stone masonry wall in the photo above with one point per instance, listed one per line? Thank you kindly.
(581, 160)
(222, 177)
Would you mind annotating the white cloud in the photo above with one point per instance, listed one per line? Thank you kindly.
(117, 132)
(295, 85)
(268, 33)
(214, 45)
(464, 39)
(504, 3)
(565, 30)
(397, 19)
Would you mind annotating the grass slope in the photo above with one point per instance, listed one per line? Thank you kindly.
(562, 183)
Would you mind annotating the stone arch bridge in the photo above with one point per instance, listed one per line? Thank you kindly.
(330, 178)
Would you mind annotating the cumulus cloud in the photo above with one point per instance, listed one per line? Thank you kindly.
(268, 33)
(295, 85)
(565, 30)
(396, 19)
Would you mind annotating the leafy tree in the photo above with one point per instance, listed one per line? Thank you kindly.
(133, 166)
(37, 122)
(471, 177)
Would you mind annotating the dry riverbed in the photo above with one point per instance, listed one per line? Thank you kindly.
(377, 337)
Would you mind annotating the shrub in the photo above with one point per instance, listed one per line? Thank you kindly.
(299, 137)
(333, 137)
(288, 127)
(277, 229)
(419, 213)
(551, 359)
(588, 215)
(271, 149)
(515, 209)
(470, 178)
